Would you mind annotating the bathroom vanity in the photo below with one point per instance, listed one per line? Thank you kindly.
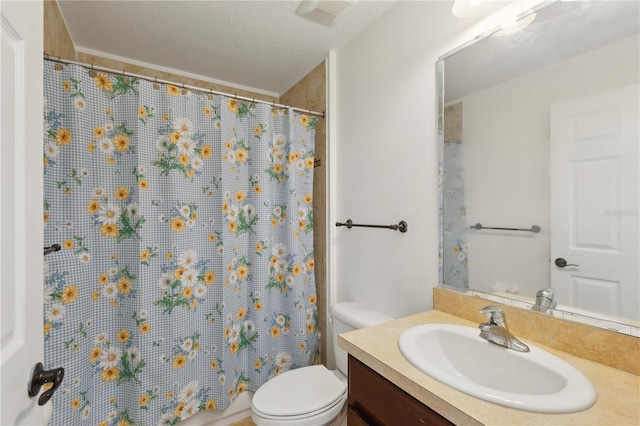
(384, 387)
(375, 400)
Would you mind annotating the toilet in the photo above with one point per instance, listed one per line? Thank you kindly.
(313, 395)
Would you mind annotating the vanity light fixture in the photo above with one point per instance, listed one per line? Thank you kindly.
(466, 8)
(324, 12)
(513, 25)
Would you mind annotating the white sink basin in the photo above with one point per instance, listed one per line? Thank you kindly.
(533, 381)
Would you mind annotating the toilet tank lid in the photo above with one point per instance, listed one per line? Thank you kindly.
(358, 315)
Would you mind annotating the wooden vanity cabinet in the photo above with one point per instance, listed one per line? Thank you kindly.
(373, 400)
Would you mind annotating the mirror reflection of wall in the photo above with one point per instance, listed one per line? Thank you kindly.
(501, 159)
(456, 273)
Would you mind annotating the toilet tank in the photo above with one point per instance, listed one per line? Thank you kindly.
(349, 316)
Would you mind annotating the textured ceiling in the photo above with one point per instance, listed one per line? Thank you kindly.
(262, 46)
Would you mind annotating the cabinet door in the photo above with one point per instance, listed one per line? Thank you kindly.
(374, 400)
(354, 418)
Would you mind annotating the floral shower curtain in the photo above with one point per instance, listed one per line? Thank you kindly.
(186, 274)
(456, 268)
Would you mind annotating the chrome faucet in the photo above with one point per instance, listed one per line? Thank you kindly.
(496, 331)
(545, 302)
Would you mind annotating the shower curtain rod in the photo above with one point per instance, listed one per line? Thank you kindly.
(184, 86)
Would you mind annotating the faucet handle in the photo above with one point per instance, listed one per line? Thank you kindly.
(495, 314)
(545, 300)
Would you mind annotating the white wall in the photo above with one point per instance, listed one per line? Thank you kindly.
(384, 126)
(506, 161)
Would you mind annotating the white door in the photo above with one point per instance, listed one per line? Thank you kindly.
(594, 202)
(21, 223)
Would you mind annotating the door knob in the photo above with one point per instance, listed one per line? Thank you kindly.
(40, 377)
(561, 263)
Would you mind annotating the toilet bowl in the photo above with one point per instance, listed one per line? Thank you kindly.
(313, 395)
(306, 396)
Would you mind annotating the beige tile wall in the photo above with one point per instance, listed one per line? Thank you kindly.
(57, 41)
(453, 122)
(309, 93)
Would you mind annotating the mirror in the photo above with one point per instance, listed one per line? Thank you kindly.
(539, 138)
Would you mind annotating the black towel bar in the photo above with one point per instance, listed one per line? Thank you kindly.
(402, 226)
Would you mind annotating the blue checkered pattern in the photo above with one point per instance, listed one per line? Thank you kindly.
(187, 270)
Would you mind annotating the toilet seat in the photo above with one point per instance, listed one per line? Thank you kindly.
(336, 404)
(299, 394)
(323, 418)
